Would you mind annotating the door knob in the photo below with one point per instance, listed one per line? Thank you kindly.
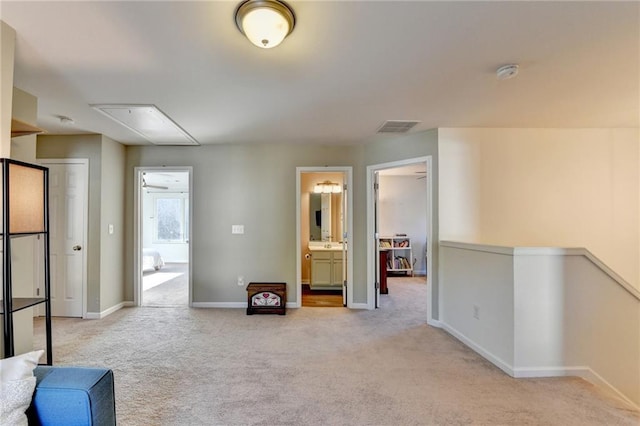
(77, 248)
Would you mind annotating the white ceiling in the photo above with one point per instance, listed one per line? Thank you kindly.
(347, 67)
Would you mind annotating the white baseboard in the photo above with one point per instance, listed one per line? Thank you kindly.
(232, 305)
(100, 315)
(434, 323)
(578, 371)
(479, 349)
(359, 306)
(225, 305)
(243, 305)
(530, 372)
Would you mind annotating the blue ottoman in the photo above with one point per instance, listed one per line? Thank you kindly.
(73, 396)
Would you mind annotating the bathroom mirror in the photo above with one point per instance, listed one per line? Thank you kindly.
(325, 217)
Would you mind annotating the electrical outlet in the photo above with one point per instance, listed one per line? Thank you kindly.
(476, 312)
(240, 280)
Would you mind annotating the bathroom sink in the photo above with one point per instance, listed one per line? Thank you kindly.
(324, 246)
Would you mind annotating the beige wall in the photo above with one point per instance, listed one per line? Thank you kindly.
(544, 187)
(255, 186)
(90, 147)
(25, 108)
(250, 185)
(7, 50)
(384, 149)
(112, 213)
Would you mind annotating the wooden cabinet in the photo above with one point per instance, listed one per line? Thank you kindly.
(326, 269)
(398, 253)
(266, 298)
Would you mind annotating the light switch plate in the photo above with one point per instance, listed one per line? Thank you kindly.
(110, 228)
(237, 229)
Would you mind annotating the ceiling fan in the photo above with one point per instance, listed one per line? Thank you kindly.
(146, 185)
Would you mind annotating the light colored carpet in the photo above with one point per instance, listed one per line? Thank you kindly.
(167, 287)
(315, 366)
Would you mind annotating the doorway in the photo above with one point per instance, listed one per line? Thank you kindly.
(324, 257)
(163, 250)
(399, 219)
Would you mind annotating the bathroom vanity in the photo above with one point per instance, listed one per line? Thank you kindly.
(326, 265)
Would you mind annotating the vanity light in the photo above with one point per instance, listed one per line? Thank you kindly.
(327, 187)
(265, 22)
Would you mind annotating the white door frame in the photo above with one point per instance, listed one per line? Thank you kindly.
(85, 212)
(371, 249)
(137, 228)
(348, 173)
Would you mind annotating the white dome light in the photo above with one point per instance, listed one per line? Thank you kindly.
(265, 22)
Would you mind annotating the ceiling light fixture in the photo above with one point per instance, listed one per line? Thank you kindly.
(265, 22)
(327, 187)
(506, 72)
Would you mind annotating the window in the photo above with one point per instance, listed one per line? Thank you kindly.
(172, 219)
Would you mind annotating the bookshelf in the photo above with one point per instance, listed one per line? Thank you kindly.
(399, 253)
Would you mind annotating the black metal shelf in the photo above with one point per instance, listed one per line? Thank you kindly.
(19, 303)
(21, 234)
(31, 183)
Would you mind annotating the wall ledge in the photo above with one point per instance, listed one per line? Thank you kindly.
(546, 251)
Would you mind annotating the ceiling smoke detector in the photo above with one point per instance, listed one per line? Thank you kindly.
(66, 121)
(506, 72)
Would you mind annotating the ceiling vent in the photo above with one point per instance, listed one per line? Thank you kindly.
(397, 126)
(149, 122)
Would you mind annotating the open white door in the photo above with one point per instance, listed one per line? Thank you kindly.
(376, 238)
(345, 248)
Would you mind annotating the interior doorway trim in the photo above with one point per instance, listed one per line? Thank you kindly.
(371, 237)
(348, 173)
(137, 228)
